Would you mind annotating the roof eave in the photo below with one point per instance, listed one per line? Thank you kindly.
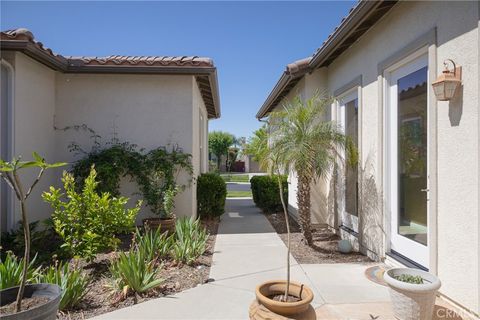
(358, 15)
(279, 86)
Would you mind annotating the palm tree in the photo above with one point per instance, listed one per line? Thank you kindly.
(303, 142)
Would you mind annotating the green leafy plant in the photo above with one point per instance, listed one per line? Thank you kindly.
(155, 172)
(72, 281)
(191, 240)
(112, 163)
(155, 244)
(169, 200)
(265, 192)
(9, 171)
(88, 221)
(44, 242)
(157, 177)
(132, 272)
(408, 278)
(211, 194)
(11, 268)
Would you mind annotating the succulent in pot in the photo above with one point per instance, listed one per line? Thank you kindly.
(412, 292)
(40, 301)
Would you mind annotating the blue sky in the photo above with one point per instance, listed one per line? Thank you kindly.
(250, 42)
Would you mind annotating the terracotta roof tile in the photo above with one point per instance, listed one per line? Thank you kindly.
(202, 68)
(145, 60)
(22, 34)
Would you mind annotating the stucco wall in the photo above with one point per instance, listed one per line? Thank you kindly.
(454, 208)
(147, 110)
(34, 107)
(200, 140)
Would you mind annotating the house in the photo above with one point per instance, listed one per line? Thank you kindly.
(149, 101)
(414, 197)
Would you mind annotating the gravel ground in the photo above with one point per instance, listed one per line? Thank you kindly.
(324, 249)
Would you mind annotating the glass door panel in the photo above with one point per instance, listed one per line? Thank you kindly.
(407, 146)
(348, 114)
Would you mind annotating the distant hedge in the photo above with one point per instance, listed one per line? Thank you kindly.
(211, 194)
(265, 192)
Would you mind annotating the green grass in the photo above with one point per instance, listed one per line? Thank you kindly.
(235, 177)
(237, 194)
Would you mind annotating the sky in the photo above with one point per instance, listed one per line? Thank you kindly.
(250, 42)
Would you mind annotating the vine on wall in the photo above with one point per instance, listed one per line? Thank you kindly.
(156, 172)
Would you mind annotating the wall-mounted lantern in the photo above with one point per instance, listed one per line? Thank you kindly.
(447, 83)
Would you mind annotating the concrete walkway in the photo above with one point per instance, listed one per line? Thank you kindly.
(248, 251)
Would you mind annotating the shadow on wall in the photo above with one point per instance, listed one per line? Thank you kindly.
(371, 219)
(455, 108)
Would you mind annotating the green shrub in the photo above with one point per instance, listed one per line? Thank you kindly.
(11, 271)
(87, 221)
(72, 281)
(211, 194)
(265, 192)
(44, 241)
(154, 243)
(133, 272)
(191, 240)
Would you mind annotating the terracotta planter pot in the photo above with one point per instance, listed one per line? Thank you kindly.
(167, 225)
(275, 287)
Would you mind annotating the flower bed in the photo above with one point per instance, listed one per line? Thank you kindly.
(176, 277)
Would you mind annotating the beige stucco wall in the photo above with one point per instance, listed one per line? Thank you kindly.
(34, 107)
(454, 209)
(147, 110)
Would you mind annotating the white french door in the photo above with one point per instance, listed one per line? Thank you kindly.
(408, 145)
(348, 119)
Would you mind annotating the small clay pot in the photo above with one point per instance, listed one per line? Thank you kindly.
(165, 225)
(276, 287)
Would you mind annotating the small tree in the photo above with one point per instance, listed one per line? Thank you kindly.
(9, 171)
(257, 146)
(303, 142)
(218, 144)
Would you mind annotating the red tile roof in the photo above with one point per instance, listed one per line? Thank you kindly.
(146, 60)
(202, 68)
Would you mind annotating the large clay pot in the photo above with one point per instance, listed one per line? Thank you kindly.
(270, 288)
(165, 225)
(45, 311)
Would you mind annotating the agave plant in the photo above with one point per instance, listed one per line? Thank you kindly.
(155, 244)
(11, 271)
(72, 281)
(132, 272)
(191, 240)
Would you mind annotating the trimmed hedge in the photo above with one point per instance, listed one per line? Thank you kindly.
(265, 192)
(211, 194)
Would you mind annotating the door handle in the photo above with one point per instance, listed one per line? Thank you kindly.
(425, 190)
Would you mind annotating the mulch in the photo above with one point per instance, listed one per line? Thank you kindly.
(325, 242)
(177, 278)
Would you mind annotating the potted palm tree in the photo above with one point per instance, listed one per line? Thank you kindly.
(299, 140)
(41, 301)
